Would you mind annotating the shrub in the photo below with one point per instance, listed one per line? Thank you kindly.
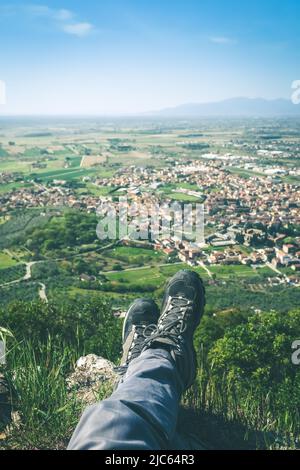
(247, 374)
(89, 327)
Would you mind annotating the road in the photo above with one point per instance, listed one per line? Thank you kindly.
(206, 269)
(28, 274)
(270, 265)
(26, 277)
(42, 292)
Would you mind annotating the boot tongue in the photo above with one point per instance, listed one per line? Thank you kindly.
(180, 289)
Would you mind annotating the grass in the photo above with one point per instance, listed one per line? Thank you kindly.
(4, 219)
(141, 277)
(15, 165)
(288, 271)
(74, 291)
(153, 277)
(244, 173)
(210, 249)
(5, 188)
(171, 191)
(96, 190)
(134, 255)
(213, 412)
(216, 414)
(183, 197)
(47, 414)
(67, 174)
(156, 275)
(225, 272)
(265, 271)
(6, 261)
(119, 299)
(74, 162)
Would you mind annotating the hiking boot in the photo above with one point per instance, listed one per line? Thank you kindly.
(141, 314)
(182, 309)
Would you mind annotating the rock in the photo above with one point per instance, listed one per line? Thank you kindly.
(93, 379)
(5, 405)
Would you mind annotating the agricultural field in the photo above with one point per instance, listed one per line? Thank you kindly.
(134, 255)
(6, 261)
(50, 154)
(143, 277)
(226, 272)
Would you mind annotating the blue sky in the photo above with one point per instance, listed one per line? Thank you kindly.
(130, 56)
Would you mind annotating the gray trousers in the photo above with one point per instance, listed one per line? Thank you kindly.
(140, 414)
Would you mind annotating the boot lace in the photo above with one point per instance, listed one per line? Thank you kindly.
(171, 325)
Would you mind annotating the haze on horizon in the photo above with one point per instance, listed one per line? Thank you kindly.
(135, 56)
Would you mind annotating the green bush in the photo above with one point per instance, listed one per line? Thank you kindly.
(247, 373)
(12, 273)
(89, 327)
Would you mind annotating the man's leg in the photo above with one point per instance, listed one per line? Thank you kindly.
(140, 414)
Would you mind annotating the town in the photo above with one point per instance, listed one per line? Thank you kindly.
(248, 189)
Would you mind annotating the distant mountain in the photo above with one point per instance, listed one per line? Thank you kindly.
(234, 107)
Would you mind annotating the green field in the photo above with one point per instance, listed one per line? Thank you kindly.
(15, 165)
(6, 261)
(133, 254)
(74, 161)
(63, 174)
(4, 188)
(225, 272)
(142, 277)
(154, 277)
(265, 271)
(171, 191)
(244, 173)
(95, 190)
(182, 197)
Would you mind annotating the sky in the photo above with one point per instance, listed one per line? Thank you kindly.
(132, 56)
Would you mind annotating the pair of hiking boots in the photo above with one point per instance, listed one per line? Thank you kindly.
(172, 329)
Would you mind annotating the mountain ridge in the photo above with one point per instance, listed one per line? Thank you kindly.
(239, 106)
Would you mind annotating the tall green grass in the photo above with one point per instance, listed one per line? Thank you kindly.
(44, 412)
(263, 420)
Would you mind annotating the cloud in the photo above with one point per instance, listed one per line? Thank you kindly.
(222, 40)
(78, 29)
(61, 18)
(64, 14)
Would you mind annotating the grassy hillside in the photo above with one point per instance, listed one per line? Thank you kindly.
(246, 394)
